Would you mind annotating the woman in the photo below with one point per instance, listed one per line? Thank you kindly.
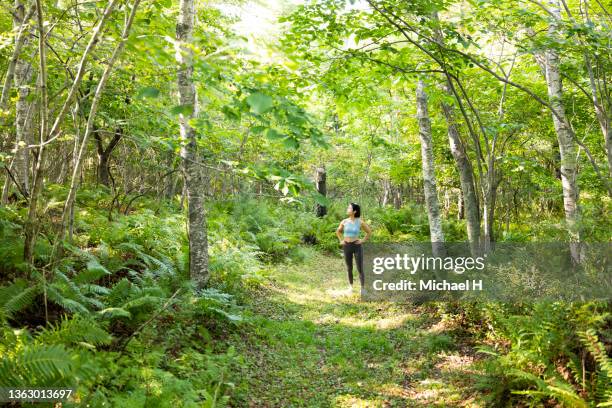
(351, 244)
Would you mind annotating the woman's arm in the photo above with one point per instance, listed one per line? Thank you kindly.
(339, 231)
(368, 231)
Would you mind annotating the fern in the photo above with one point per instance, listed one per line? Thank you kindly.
(70, 305)
(219, 304)
(603, 381)
(17, 297)
(75, 330)
(72, 297)
(142, 302)
(36, 365)
(119, 292)
(92, 273)
(553, 388)
(157, 266)
(114, 312)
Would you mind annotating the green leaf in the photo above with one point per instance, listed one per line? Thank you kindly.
(148, 92)
(259, 103)
(273, 134)
(113, 312)
(233, 318)
(258, 129)
(94, 271)
(291, 143)
(185, 110)
(321, 199)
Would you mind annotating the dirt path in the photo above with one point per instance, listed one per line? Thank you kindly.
(312, 344)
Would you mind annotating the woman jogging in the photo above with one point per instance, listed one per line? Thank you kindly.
(351, 244)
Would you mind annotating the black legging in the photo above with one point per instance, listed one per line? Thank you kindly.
(351, 248)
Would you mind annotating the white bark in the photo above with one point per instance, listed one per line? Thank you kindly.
(45, 138)
(74, 183)
(19, 72)
(30, 229)
(192, 173)
(602, 112)
(429, 175)
(466, 179)
(21, 162)
(567, 146)
(21, 22)
(462, 161)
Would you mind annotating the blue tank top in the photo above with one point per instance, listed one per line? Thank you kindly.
(351, 228)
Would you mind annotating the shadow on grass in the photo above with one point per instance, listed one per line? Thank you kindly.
(305, 348)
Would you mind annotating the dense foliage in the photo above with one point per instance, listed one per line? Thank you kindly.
(137, 136)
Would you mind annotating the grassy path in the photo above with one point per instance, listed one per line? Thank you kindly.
(312, 344)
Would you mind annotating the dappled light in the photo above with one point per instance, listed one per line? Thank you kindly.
(305, 203)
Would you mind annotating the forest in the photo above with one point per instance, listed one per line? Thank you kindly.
(173, 174)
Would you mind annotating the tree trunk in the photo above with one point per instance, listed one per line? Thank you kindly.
(387, 188)
(19, 72)
(397, 198)
(489, 199)
(196, 225)
(24, 111)
(31, 226)
(429, 175)
(320, 180)
(466, 173)
(460, 207)
(602, 111)
(567, 145)
(68, 213)
(20, 20)
(466, 178)
(31, 222)
(104, 155)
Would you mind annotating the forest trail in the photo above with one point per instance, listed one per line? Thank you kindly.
(311, 344)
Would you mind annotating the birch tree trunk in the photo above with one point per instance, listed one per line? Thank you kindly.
(462, 161)
(192, 173)
(466, 179)
(68, 212)
(20, 20)
(602, 112)
(19, 72)
(30, 229)
(31, 222)
(21, 162)
(567, 145)
(429, 174)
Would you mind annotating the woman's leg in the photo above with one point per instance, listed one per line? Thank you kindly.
(348, 258)
(359, 260)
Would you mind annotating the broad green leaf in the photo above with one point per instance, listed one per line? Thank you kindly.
(184, 110)
(273, 134)
(291, 143)
(259, 103)
(148, 92)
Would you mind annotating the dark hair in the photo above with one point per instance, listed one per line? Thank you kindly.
(357, 209)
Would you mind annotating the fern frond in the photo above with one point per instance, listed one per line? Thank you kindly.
(21, 300)
(119, 292)
(36, 365)
(142, 302)
(92, 273)
(113, 312)
(69, 304)
(74, 330)
(94, 289)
